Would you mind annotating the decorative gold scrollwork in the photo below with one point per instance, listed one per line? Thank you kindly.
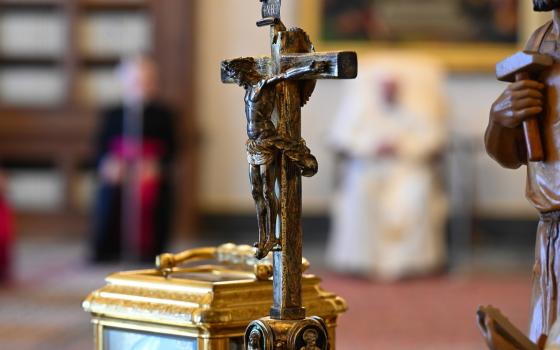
(229, 254)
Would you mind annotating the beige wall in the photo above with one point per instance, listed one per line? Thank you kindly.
(226, 29)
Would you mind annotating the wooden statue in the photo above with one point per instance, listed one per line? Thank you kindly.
(524, 130)
(276, 88)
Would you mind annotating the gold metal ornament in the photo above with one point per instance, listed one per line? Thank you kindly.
(204, 297)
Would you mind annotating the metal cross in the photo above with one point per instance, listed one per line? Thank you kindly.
(285, 79)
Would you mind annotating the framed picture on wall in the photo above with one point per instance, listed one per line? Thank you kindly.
(468, 35)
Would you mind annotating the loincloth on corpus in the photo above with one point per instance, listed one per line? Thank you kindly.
(301, 156)
(261, 151)
(264, 151)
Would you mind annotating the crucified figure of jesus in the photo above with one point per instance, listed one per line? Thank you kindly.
(264, 144)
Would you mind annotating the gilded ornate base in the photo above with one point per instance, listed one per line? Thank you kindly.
(270, 334)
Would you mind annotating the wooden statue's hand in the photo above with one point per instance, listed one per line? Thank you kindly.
(520, 101)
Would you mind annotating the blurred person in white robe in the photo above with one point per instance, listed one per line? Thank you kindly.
(389, 210)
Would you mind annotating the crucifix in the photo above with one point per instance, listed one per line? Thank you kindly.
(276, 88)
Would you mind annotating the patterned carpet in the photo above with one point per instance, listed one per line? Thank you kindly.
(41, 308)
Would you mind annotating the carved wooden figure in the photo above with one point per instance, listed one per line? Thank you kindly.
(528, 110)
(276, 88)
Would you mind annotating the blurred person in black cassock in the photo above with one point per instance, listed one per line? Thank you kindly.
(135, 148)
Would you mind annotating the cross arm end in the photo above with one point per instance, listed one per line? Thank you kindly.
(342, 65)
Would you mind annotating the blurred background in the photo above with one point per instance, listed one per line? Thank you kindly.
(70, 67)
